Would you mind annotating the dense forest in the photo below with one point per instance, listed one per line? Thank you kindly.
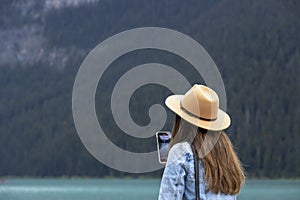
(255, 44)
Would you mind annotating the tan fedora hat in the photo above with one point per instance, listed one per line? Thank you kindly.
(200, 107)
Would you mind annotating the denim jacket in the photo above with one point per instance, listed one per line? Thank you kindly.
(178, 181)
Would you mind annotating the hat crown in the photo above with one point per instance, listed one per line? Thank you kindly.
(202, 102)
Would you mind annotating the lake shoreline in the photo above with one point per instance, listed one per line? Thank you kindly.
(118, 189)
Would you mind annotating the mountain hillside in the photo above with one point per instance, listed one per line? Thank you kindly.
(255, 44)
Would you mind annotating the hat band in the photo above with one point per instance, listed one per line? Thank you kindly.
(193, 115)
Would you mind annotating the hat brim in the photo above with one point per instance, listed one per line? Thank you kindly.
(222, 122)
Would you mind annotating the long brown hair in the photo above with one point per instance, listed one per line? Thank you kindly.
(223, 170)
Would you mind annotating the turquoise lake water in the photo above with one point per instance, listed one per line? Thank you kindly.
(113, 189)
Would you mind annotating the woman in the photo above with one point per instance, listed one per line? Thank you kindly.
(199, 125)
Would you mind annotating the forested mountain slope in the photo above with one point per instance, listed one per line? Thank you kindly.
(255, 44)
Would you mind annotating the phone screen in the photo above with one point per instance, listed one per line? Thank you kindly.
(163, 140)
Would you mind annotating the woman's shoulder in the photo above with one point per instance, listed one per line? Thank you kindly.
(180, 152)
(181, 148)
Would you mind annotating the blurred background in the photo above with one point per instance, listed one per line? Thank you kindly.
(255, 44)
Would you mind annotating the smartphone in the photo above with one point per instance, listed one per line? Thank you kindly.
(163, 139)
